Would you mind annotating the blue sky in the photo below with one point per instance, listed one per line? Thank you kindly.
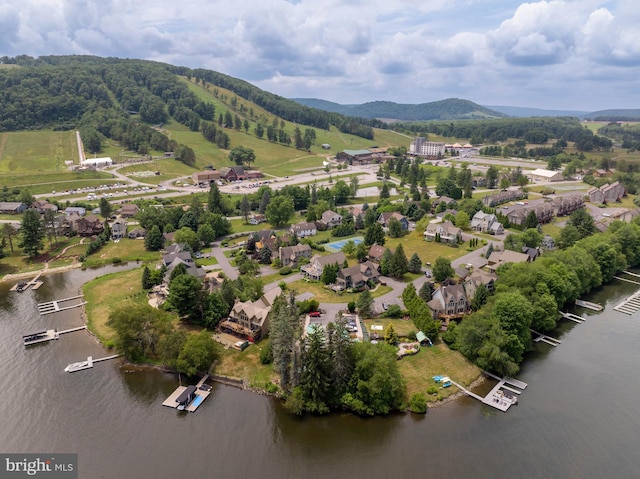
(566, 54)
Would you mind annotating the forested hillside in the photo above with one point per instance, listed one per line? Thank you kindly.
(123, 99)
(449, 109)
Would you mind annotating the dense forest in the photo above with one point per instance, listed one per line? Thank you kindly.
(532, 130)
(123, 99)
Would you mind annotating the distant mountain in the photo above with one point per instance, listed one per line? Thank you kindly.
(631, 114)
(524, 112)
(450, 109)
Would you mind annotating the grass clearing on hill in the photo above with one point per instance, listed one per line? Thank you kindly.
(125, 250)
(37, 151)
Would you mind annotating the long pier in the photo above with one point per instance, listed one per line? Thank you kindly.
(545, 339)
(627, 280)
(79, 328)
(54, 306)
(573, 317)
(88, 364)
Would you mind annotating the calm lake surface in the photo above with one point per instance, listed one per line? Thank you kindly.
(579, 417)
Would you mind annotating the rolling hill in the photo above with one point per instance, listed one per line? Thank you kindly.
(449, 109)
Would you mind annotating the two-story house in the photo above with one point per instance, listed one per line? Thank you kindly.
(331, 219)
(303, 229)
(314, 269)
(357, 276)
(446, 232)
(289, 255)
(384, 218)
(486, 223)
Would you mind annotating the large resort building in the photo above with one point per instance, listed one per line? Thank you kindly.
(429, 149)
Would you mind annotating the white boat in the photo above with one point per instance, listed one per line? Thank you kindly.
(80, 365)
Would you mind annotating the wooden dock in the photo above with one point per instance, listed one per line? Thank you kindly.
(202, 392)
(545, 339)
(88, 364)
(501, 397)
(54, 306)
(572, 317)
(25, 285)
(589, 305)
(629, 305)
(627, 280)
(79, 328)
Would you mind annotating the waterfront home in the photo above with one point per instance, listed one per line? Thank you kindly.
(449, 302)
(498, 258)
(119, 229)
(250, 319)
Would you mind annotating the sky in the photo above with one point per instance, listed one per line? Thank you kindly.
(564, 54)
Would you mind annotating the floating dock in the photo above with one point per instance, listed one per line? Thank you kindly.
(25, 285)
(629, 305)
(502, 396)
(545, 339)
(42, 336)
(88, 364)
(572, 317)
(189, 398)
(589, 305)
(54, 306)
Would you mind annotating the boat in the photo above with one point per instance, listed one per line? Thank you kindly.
(79, 366)
(22, 286)
(40, 336)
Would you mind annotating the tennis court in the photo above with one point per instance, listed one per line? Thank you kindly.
(338, 245)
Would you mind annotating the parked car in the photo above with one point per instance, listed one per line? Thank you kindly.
(314, 314)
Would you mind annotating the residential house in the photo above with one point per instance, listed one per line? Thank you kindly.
(486, 223)
(289, 255)
(174, 256)
(314, 269)
(250, 320)
(498, 258)
(441, 214)
(375, 253)
(357, 276)
(129, 210)
(503, 197)
(42, 206)
(303, 229)
(517, 214)
(608, 193)
(263, 234)
(475, 279)
(136, 233)
(568, 203)
(89, 225)
(118, 229)
(256, 219)
(168, 238)
(12, 207)
(79, 210)
(384, 218)
(446, 232)
(533, 253)
(330, 219)
(449, 302)
(441, 199)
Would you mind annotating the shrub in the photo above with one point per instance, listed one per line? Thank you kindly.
(266, 354)
(116, 260)
(432, 390)
(418, 403)
(351, 307)
(270, 388)
(285, 270)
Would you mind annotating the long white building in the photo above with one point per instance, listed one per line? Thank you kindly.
(422, 147)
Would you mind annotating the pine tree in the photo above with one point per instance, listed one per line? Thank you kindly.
(399, 264)
(415, 263)
(32, 233)
(390, 335)
(214, 202)
(146, 278)
(425, 292)
(153, 239)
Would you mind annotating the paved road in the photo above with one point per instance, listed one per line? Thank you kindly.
(218, 253)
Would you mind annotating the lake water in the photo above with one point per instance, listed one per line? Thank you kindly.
(579, 417)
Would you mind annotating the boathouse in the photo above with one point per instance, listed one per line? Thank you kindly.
(187, 396)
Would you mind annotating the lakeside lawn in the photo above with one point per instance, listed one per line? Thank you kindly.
(106, 292)
(246, 365)
(419, 369)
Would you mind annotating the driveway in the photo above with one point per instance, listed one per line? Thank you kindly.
(218, 253)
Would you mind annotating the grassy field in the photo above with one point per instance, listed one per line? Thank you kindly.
(327, 296)
(169, 168)
(402, 327)
(427, 250)
(419, 369)
(104, 293)
(37, 151)
(125, 250)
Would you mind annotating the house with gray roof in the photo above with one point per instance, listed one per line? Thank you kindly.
(316, 265)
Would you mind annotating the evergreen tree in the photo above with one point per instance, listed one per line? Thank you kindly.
(365, 303)
(146, 278)
(339, 357)
(314, 379)
(415, 263)
(480, 297)
(265, 255)
(390, 335)
(8, 233)
(214, 201)
(384, 191)
(531, 220)
(282, 338)
(425, 292)
(105, 208)
(245, 208)
(374, 235)
(385, 262)
(264, 202)
(32, 233)
(399, 264)
(153, 240)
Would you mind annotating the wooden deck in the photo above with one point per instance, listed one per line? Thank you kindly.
(501, 397)
(545, 339)
(572, 317)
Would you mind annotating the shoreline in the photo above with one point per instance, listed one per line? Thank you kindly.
(60, 269)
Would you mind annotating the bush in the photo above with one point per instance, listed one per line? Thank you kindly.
(270, 388)
(266, 355)
(116, 260)
(432, 390)
(418, 403)
(285, 270)
(351, 307)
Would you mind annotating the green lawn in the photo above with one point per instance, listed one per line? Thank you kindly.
(246, 364)
(169, 168)
(37, 151)
(125, 250)
(324, 295)
(427, 250)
